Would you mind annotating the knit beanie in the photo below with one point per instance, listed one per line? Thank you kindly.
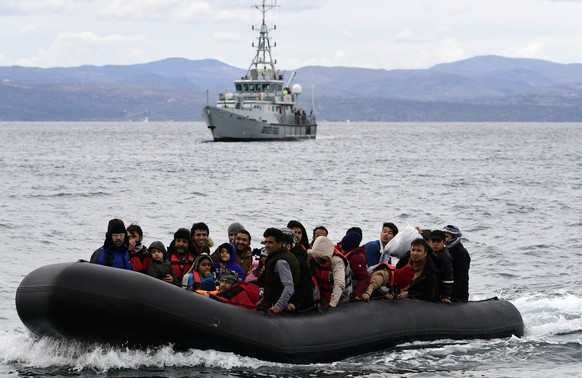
(235, 228)
(158, 245)
(403, 276)
(182, 233)
(116, 226)
(453, 230)
(199, 259)
(208, 284)
(351, 241)
(229, 276)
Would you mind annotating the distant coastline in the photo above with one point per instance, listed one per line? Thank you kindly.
(479, 89)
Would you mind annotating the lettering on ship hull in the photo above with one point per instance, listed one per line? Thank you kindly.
(270, 130)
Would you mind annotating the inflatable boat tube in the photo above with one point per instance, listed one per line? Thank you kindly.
(93, 303)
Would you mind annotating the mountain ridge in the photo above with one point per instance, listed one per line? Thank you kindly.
(177, 88)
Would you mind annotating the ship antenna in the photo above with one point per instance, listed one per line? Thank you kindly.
(263, 55)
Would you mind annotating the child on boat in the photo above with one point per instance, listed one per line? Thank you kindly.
(201, 275)
(160, 267)
(227, 253)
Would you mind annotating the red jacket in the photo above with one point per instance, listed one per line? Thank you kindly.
(242, 294)
(360, 277)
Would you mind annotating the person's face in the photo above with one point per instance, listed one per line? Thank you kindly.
(181, 245)
(298, 234)
(242, 241)
(271, 244)
(200, 238)
(134, 239)
(319, 232)
(156, 254)
(436, 245)
(386, 235)
(232, 237)
(224, 255)
(417, 253)
(224, 285)
(448, 237)
(118, 239)
(204, 267)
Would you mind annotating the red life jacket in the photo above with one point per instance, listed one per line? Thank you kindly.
(139, 263)
(181, 266)
(323, 280)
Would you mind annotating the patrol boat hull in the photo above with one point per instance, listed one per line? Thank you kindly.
(229, 125)
(94, 303)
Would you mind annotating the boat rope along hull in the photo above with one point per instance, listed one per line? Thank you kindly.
(93, 303)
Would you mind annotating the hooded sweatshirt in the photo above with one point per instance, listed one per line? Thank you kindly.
(323, 249)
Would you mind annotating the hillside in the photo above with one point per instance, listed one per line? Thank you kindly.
(485, 88)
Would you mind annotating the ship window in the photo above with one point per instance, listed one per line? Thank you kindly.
(266, 87)
(238, 87)
(246, 87)
(251, 87)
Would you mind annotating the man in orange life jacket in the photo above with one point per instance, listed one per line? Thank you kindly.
(179, 254)
(280, 276)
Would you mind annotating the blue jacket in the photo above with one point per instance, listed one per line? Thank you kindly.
(231, 265)
(374, 252)
(117, 258)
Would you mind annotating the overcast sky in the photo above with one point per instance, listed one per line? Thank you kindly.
(385, 34)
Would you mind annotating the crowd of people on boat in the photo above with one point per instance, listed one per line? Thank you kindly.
(290, 273)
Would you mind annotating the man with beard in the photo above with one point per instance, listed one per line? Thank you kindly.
(179, 255)
(114, 251)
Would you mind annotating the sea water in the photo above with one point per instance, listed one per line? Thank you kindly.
(515, 191)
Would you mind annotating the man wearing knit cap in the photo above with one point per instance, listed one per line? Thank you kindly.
(179, 254)
(375, 248)
(234, 229)
(444, 264)
(356, 256)
(461, 263)
(114, 251)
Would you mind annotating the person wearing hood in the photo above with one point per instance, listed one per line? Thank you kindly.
(160, 268)
(461, 263)
(179, 253)
(302, 298)
(330, 273)
(114, 251)
(227, 261)
(301, 238)
(356, 256)
(201, 276)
